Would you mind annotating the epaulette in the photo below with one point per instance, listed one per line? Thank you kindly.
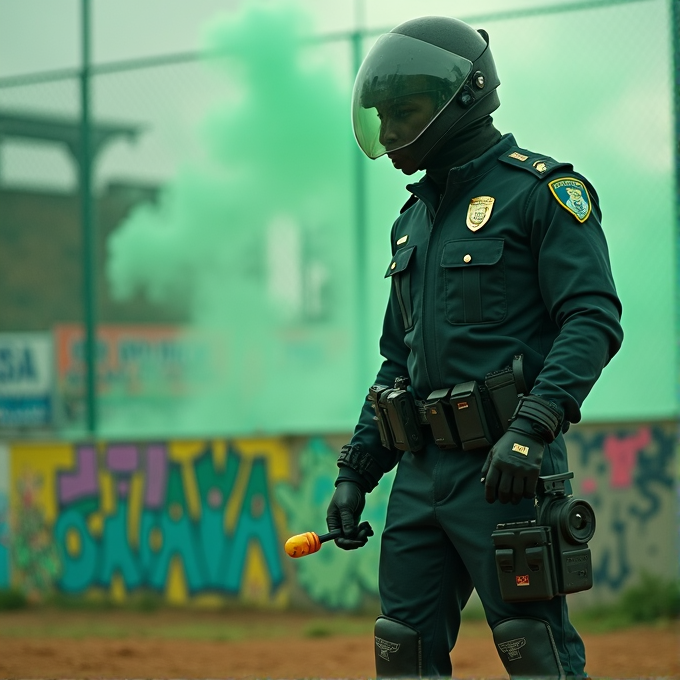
(412, 200)
(538, 165)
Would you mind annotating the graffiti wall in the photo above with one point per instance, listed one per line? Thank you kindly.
(629, 474)
(189, 520)
(205, 522)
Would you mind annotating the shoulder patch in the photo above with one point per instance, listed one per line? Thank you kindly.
(538, 165)
(412, 200)
(572, 195)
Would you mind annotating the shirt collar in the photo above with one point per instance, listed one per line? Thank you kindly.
(426, 189)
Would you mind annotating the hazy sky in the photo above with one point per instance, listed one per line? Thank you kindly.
(37, 35)
(592, 87)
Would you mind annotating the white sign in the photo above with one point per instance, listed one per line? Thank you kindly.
(26, 379)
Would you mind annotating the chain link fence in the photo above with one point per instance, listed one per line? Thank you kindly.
(240, 240)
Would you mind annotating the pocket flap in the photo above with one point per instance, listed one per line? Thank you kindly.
(472, 252)
(399, 261)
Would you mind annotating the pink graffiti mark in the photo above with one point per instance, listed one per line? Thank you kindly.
(622, 456)
(156, 473)
(589, 485)
(122, 458)
(82, 482)
(123, 488)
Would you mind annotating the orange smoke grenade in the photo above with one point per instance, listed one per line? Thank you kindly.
(308, 543)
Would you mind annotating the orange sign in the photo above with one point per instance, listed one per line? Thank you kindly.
(141, 363)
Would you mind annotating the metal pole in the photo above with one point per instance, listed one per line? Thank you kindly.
(88, 230)
(361, 292)
(675, 37)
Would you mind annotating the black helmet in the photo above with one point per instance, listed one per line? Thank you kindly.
(439, 65)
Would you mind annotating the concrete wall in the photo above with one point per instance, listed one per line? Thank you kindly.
(204, 522)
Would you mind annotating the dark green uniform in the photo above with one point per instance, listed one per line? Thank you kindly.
(512, 260)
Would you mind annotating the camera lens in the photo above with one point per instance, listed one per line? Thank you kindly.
(577, 521)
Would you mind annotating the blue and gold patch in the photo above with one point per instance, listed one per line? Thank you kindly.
(572, 195)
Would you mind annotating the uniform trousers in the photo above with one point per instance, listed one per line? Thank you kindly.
(437, 547)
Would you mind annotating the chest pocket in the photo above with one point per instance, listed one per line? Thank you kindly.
(474, 276)
(400, 273)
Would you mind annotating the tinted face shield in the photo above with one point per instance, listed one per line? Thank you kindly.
(402, 86)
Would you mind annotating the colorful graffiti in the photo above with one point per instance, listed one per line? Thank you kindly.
(628, 475)
(205, 521)
(186, 519)
(334, 578)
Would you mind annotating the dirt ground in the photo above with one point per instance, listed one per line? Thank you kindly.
(173, 644)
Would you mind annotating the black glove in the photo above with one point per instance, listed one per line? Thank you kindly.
(511, 470)
(344, 512)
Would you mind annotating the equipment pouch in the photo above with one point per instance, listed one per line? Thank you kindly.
(439, 415)
(402, 415)
(503, 393)
(505, 388)
(524, 562)
(468, 412)
(375, 392)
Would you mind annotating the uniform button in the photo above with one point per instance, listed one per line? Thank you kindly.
(467, 258)
(393, 265)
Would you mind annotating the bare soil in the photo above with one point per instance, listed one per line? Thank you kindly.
(174, 644)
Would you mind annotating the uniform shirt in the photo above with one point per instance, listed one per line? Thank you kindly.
(533, 279)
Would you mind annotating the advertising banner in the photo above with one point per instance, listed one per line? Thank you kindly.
(141, 370)
(26, 379)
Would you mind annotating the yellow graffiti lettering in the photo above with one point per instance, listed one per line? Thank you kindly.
(219, 454)
(233, 508)
(42, 461)
(156, 539)
(73, 542)
(135, 502)
(176, 587)
(107, 490)
(95, 524)
(118, 591)
(256, 584)
(185, 453)
(176, 512)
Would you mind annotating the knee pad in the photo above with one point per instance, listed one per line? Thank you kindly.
(527, 648)
(398, 651)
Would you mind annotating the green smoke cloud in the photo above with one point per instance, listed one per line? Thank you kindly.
(259, 236)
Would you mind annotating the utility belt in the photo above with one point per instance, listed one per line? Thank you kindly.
(470, 415)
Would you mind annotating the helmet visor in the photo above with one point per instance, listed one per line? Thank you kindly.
(401, 87)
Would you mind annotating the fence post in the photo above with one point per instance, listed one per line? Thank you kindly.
(88, 230)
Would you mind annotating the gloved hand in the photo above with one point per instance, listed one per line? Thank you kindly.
(511, 470)
(344, 512)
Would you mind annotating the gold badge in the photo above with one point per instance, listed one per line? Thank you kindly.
(479, 212)
(524, 450)
(540, 166)
(519, 156)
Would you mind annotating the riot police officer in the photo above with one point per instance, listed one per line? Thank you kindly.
(497, 255)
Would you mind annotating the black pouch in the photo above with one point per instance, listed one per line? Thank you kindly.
(503, 393)
(505, 387)
(402, 415)
(374, 394)
(524, 562)
(468, 413)
(439, 415)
